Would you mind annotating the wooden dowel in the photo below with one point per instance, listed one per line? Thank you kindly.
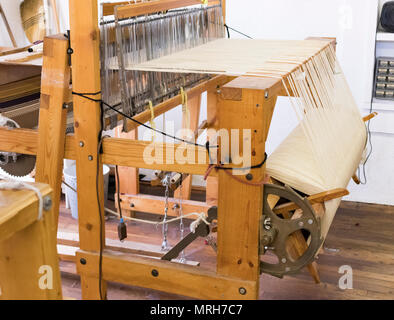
(317, 198)
(11, 35)
(370, 116)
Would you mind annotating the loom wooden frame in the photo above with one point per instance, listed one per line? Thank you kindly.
(237, 274)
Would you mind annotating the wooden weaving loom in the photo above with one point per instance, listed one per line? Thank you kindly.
(243, 235)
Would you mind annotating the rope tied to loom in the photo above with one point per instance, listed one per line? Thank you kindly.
(196, 223)
(18, 185)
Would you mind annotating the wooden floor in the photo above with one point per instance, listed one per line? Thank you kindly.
(362, 236)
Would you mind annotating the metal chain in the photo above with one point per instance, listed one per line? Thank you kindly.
(166, 182)
(181, 225)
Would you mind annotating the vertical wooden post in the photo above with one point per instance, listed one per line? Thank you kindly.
(240, 204)
(128, 177)
(194, 105)
(212, 120)
(53, 116)
(85, 41)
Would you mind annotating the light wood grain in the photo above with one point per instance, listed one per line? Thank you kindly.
(239, 204)
(85, 40)
(26, 244)
(178, 279)
(53, 116)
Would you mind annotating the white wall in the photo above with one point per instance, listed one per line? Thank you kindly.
(353, 23)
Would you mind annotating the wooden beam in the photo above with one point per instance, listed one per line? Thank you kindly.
(53, 116)
(194, 106)
(156, 204)
(130, 153)
(165, 276)
(239, 203)
(143, 8)
(128, 176)
(316, 198)
(24, 141)
(122, 152)
(85, 41)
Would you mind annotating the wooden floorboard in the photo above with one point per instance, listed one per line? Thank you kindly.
(361, 236)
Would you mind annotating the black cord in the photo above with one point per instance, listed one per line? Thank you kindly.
(369, 137)
(101, 220)
(232, 168)
(235, 30)
(227, 30)
(118, 191)
(86, 96)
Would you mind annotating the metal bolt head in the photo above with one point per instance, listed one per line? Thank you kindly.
(82, 261)
(155, 273)
(284, 260)
(47, 203)
(310, 221)
(132, 205)
(249, 177)
(242, 291)
(301, 224)
(267, 224)
(266, 95)
(81, 144)
(90, 158)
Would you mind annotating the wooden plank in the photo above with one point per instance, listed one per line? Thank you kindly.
(53, 116)
(85, 41)
(156, 204)
(240, 204)
(173, 278)
(32, 244)
(143, 8)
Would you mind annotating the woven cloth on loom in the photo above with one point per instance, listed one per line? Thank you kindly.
(323, 152)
